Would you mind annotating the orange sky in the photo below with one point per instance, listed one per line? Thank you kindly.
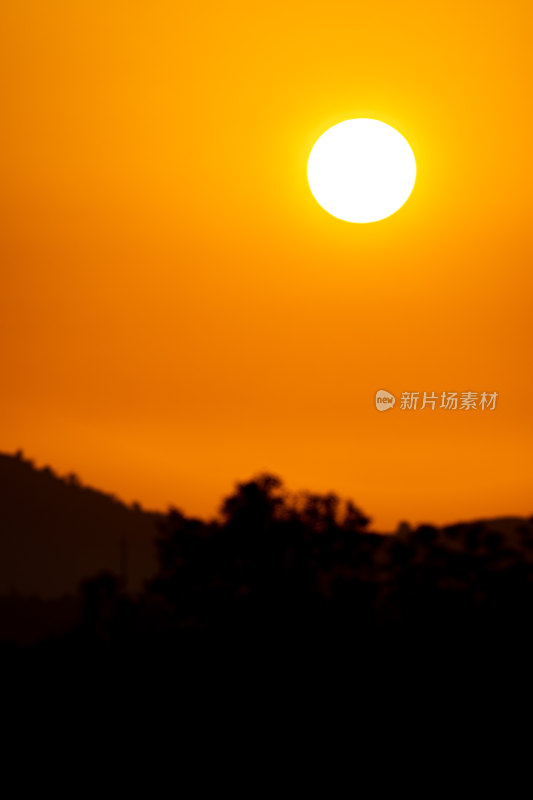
(177, 311)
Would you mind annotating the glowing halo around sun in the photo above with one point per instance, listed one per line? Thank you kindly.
(361, 170)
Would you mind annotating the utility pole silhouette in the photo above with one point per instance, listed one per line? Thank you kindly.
(124, 563)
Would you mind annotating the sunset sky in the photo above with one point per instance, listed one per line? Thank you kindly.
(178, 312)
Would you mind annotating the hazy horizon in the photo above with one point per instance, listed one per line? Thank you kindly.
(183, 507)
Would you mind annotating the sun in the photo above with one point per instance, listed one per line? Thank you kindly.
(361, 170)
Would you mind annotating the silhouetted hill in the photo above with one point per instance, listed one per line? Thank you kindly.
(54, 532)
(275, 570)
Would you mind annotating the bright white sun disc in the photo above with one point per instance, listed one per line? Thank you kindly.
(361, 170)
